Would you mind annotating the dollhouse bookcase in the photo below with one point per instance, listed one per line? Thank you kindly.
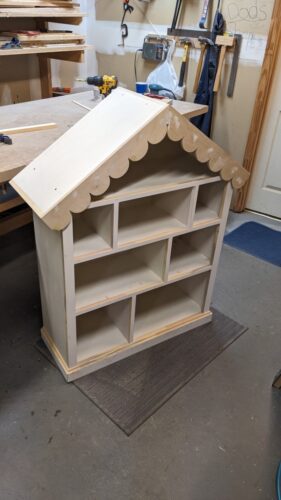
(130, 208)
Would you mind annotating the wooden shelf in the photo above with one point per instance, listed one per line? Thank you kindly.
(209, 203)
(51, 49)
(92, 232)
(45, 12)
(153, 216)
(117, 276)
(168, 306)
(203, 215)
(103, 330)
(192, 252)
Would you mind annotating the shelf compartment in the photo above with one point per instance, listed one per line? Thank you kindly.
(151, 173)
(103, 330)
(173, 305)
(192, 251)
(209, 203)
(153, 216)
(119, 275)
(92, 232)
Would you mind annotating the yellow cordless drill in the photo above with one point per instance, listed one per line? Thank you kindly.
(105, 83)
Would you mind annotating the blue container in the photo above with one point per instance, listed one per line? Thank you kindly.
(141, 87)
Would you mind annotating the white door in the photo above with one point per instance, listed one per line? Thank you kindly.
(265, 189)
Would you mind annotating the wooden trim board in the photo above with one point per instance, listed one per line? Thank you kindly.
(271, 53)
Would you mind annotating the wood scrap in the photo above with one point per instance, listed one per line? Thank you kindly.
(28, 128)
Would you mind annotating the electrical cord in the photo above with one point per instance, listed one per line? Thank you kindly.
(135, 63)
(169, 90)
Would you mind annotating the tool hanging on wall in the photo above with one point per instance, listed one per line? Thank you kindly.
(224, 42)
(204, 15)
(187, 43)
(235, 62)
(204, 42)
(124, 27)
(205, 93)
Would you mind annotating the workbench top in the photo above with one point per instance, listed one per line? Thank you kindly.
(61, 110)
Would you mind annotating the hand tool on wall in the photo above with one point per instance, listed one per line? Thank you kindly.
(204, 42)
(204, 15)
(224, 42)
(235, 62)
(124, 28)
(187, 43)
(205, 94)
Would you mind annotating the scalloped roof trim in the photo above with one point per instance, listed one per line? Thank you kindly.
(169, 122)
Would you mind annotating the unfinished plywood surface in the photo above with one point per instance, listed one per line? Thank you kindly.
(185, 259)
(99, 332)
(162, 308)
(93, 232)
(114, 277)
(25, 148)
(153, 216)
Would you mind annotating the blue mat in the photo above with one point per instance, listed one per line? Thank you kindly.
(257, 240)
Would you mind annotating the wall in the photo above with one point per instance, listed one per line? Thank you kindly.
(251, 17)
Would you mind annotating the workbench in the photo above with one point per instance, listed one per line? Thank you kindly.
(27, 146)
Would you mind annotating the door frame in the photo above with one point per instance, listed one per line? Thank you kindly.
(267, 72)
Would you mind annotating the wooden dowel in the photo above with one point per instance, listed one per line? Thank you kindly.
(28, 128)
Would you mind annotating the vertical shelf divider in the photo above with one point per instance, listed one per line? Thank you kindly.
(132, 318)
(115, 225)
(193, 203)
(168, 259)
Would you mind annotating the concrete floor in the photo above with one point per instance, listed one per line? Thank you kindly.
(217, 439)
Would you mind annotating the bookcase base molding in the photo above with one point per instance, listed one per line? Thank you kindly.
(97, 362)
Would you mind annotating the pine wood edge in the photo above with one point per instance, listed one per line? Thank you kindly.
(167, 123)
(260, 106)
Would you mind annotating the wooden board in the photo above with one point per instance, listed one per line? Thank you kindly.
(46, 49)
(261, 102)
(37, 3)
(42, 37)
(42, 12)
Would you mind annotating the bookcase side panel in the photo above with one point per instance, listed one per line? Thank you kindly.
(224, 213)
(49, 249)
